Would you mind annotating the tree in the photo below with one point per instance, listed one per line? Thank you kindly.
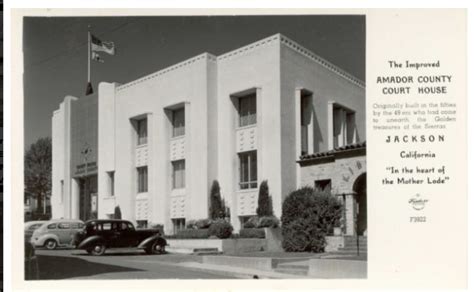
(265, 206)
(38, 168)
(217, 208)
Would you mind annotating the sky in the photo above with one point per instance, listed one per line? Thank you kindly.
(55, 50)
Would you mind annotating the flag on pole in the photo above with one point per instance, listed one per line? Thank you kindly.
(101, 46)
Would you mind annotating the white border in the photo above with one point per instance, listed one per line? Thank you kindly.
(204, 4)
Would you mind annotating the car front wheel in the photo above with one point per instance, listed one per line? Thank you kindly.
(51, 244)
(156, 248)
(98, 249)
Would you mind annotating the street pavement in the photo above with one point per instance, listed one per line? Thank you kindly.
(123, 264)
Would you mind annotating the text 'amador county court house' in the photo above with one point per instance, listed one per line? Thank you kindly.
(151, 148)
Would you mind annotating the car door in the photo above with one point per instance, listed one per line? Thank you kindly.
(75, 228)
(63, 232)
(128, 234)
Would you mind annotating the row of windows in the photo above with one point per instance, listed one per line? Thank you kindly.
(247, 116)
(177, 124)
(248, 173)
(178, 176)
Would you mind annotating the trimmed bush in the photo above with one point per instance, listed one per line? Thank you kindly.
(265, 206)
(252, 222)
(307, 217)
(221, 229)
(198, 224)
(268, 221)
(191, 234)
(217, 207)
(252, 233)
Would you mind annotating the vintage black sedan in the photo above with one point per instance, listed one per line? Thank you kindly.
(99, 235)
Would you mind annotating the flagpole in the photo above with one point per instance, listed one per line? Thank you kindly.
(89, 89)
(88, 55)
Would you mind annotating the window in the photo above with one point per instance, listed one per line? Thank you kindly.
(64, 226)
(77, 225)
(142, 224)
(323, 186)
(178, 224)
(107, 226)
(110, 175)
(142, 177)
(27, 201)
(52, 226)
(248, 170)
(243, 220)
(62, 191)
(344, 130)
(179, 174)
(247, 110)
(178, 122)
(142, 131)
(305, 113)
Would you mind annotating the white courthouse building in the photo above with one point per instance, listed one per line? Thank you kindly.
(149, 150)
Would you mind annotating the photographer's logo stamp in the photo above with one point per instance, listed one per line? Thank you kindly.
(418, 202)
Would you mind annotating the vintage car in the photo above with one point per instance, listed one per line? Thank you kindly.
(101, 234)
(31, 226)
(56, 233)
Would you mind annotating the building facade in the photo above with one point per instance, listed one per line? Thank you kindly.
(149, 150)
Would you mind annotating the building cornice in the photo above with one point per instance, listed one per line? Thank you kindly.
(277, 38)
(323, 62)
(177, 66)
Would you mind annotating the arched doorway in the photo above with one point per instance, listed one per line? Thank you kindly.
(360, 196)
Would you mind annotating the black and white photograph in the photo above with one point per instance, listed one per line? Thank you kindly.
(195, 147)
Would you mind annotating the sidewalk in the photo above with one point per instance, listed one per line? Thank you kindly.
(281, 265)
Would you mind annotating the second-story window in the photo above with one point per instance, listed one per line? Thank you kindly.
(248, 170)
(142, 179)
(344, 128)
(247, 110)
(178, 122)
(179, 174)
(142, 131)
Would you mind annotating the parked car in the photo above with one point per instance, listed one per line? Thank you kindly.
(99, 235)
(56, 233)
(31, 226)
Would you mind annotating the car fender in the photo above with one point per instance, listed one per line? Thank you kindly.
(42, 239)
(149, 241)
(89, 241)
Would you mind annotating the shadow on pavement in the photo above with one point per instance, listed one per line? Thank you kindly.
(59, 267)
(116, 253)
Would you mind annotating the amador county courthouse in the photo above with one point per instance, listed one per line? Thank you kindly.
(149, 150)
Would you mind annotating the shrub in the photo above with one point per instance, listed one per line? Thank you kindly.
(221, 229)
(160, 227)
(217, 207)
(198, 224)
(252, 233)
(192, 233)
(252, 222)
(265, 207)
(268, 221)
(191, 224)
(307, 217)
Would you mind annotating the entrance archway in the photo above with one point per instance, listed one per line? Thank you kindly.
(360, 195)
(88, 197)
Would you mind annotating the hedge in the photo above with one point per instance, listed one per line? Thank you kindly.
(307, 217)
(221, 229)
(252, 233)
(190, 234)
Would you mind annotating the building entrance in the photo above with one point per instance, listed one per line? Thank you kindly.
(360, 188)
(88, 197)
